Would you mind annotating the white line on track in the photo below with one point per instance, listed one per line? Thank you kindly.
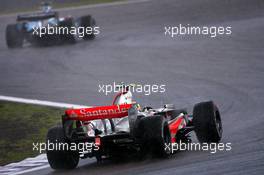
(31, 170)
(40, 102)
(25, 166)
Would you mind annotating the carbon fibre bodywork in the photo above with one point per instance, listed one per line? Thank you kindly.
(121, 129)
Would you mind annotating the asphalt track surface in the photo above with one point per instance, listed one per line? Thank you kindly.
(132, 48)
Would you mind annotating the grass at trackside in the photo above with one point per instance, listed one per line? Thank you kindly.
(20, 126)
(57, 5)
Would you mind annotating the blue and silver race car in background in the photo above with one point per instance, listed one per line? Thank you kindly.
(46, 28)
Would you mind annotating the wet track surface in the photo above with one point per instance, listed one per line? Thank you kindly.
(132, 47)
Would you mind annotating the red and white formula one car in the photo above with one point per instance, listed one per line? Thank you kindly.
(109, 131)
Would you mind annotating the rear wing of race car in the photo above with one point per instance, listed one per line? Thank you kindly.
(36, 16)
(95, 113)
(74, 117)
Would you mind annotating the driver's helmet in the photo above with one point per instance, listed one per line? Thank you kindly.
(125, 98)
(46, 7)
(138, 107)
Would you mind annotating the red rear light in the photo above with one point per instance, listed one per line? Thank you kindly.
(98, 141)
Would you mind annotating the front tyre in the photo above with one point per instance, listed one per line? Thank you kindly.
(68, 37)
(88, 22)
(60, 159)
(207, 122)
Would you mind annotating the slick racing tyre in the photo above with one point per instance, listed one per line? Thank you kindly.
(14, 36)
(88, 21)
(60, 159)
(156, 135)
(68, 37)
(207, 122)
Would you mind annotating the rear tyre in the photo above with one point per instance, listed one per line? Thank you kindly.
(14, 36)
(88, 21)
(156, 136)
(207, 122)
(60, 159)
